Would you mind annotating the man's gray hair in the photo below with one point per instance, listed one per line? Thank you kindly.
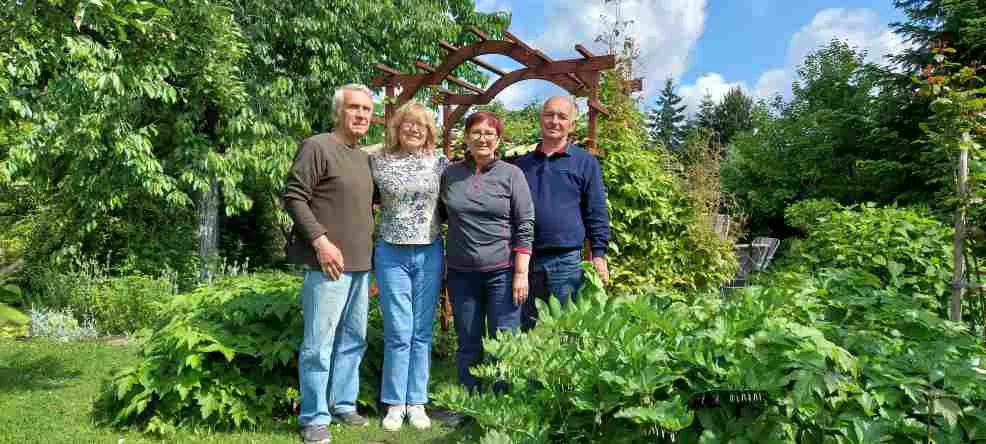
(340, 92)
(571, 102)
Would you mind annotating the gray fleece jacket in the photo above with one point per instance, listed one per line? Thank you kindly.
(490, 215)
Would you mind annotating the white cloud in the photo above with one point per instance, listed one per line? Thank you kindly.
(771, 83)
(861, 28)
(520, 94)
(492, 6)
(665, 31)
(710, 83)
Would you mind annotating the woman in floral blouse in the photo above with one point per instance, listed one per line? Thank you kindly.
(408, 259)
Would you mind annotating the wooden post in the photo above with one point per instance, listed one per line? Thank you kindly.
(593, 119)
(955, 312)
(388, 108)
(444, 300)
(447, 130)
(388, 113)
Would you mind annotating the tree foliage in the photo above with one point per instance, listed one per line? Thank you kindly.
(960, 24)
(734, 114)
(705, 117)
(831, 140)
(115, 104)
(666, 121)
(659, 239)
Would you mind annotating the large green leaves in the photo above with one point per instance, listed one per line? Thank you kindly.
(837, 358)
(112, 105)
(658, 238)
(227, 358)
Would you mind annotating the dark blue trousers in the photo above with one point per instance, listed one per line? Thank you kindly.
(483, 304)
(558, 275)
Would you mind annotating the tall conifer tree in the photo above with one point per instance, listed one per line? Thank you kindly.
(667, 119)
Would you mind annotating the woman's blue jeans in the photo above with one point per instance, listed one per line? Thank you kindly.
(483, 304)
(409, 278)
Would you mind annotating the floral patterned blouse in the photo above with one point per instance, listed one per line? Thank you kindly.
(408, 186)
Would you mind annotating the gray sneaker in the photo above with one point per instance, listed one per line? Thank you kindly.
(351, 418)
(316, 434)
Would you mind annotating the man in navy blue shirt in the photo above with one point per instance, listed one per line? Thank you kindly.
(569, 205)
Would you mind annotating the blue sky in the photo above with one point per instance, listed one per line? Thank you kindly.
(707, 46)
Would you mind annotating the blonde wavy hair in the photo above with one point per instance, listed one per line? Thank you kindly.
(413, 112)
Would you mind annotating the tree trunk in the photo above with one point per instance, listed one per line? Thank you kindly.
(208, 230)
(955, 312)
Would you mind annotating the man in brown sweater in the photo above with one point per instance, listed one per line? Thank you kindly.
(329, 196)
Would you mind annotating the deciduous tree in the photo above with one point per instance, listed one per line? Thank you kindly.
(113, 104)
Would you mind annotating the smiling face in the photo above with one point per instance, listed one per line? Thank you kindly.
(412, 134)
(557, 119)
(482, 140)
(354, 118)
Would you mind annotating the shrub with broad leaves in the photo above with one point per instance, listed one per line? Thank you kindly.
(903, 247)
(226, 359)
(659, 239)
(838, 358)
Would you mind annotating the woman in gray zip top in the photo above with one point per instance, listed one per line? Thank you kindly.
(490, 233)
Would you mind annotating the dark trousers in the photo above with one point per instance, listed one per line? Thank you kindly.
(482, 304)
(558, 275)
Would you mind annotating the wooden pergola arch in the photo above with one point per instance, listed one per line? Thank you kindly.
(580, 77)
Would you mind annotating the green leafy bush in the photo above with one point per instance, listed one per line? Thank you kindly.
(118, 304)
(905, 248)
(840, 358)
(658, 238)
(10, 294)
(808, 213)
(227, 358)
(13, 323)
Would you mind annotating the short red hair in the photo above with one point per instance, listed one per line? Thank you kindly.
(485, 116)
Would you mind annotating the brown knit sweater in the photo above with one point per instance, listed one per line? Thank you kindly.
(330, 191)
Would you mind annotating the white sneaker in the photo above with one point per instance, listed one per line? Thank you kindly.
(419, 419)
(395, 417)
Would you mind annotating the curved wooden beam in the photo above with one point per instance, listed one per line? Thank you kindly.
(454, 60)
(513, 77)
(518, 51)
(554, 75)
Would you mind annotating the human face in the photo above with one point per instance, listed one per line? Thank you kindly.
(482, 140)
(412, 134)
(357, 108)
(557, 119)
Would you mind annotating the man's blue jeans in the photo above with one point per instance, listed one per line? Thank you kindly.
(335, 339)
(479, 296)
(559, 275)
(409, 278)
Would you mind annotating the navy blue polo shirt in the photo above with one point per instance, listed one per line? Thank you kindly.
(569, 200)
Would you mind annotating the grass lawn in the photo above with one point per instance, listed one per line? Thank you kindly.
(47, 390)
